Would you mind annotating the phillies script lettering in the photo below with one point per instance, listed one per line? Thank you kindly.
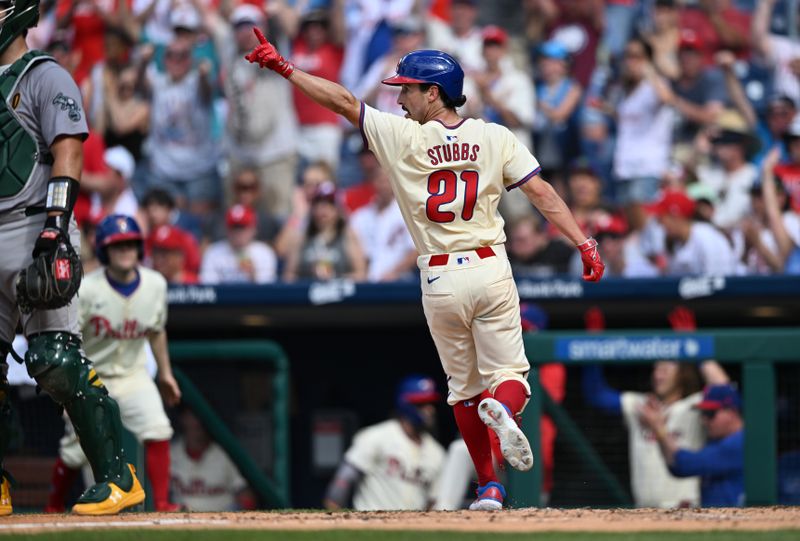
(129, 330)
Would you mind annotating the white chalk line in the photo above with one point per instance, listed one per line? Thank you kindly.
(114, 524)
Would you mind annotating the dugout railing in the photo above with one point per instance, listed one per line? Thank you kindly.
(757, 350)
(272, 491)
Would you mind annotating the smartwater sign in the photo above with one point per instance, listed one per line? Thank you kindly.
(634, 348)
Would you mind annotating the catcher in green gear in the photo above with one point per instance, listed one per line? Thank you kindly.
(41, 155)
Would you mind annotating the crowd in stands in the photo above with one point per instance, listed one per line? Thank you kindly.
(671, 127)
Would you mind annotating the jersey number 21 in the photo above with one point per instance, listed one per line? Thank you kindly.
(443, 185)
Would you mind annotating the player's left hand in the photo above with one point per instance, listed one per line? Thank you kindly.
(170, 391)
(52, 279)
(593, 266)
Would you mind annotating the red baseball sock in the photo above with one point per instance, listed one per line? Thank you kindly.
(60, 483)
(477, 439)
(512, 394)
(157, 463)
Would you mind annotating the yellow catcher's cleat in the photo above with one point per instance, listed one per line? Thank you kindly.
(108, 498)
(5, 497)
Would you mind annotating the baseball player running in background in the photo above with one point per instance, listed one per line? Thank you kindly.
(396, 464)
(448, 174)
(122, 305)
(42, 145)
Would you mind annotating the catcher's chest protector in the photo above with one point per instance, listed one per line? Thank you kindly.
(19, 152)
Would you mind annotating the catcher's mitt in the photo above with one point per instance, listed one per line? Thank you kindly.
(51, 280)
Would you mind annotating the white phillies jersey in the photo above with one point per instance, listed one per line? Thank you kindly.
(651, 482)
(448, 180)
(398, 472)
(207, 483)
(114, 327)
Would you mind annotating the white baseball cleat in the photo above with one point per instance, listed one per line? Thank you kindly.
(513, 443)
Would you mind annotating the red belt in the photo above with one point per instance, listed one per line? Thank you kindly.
(441, 259)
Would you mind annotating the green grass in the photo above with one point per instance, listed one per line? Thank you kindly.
(367, 535)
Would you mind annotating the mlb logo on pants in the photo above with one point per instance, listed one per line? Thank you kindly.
(463, 260)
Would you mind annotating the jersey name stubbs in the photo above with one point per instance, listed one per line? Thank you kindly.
(453, 152)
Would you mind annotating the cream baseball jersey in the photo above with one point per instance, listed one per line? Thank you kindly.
(206, 483)
(398, 473)
(651, 482)
(115, 327)
(448, 180)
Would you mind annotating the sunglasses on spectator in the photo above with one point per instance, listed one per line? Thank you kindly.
(633, 54)
(177, 55)
(246, 187)
(709, 414)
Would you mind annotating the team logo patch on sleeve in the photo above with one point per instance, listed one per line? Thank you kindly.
(70, 105)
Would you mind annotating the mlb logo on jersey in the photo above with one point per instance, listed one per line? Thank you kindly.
(451, 138)
(462, 260)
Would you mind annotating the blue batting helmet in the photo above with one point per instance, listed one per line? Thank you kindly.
(116, 228)
(433, 67)
(413, 391)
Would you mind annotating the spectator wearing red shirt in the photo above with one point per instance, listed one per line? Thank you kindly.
(718, 26)
(789, 171)
(361, 194)
(317, 50)
(88, 19)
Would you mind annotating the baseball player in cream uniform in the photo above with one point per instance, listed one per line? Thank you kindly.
(123, 307)
(448, 174)
(395, 464)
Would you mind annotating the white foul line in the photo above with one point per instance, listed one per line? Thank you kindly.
(115, 524)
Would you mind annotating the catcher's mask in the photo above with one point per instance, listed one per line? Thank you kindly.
(16, 16)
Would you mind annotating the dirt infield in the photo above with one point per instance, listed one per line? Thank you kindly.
(518, 520)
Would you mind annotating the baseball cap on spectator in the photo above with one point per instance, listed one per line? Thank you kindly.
(325, 192)
(716, 397)
(698, 191)
(554, 49)
(167, 237)
(315, 16)
(582, 166)
(185, 18)
(240, 216)
(673, 203)
(690, 40)
(782, 100)
(120, 160)
(731, 128)
(405, 26)
(494, 34)
(610, 225)
(247, 14)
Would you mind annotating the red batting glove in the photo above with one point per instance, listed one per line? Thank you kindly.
(266, 56)
(593, 265)
(682, 319)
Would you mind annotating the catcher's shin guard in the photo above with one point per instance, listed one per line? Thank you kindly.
(56, 362)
